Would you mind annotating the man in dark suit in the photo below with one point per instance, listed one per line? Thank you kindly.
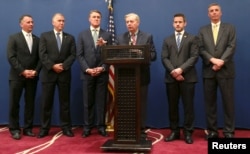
(179, 56)
(57, 51)
(22, 52)
(94, 74)
(134, 36)
(217, 48)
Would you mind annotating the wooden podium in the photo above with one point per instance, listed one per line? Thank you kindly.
(127, 61)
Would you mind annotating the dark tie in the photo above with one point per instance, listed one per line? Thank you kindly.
(58, 39)
(178, 40)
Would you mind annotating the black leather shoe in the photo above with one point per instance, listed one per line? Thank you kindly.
(86, 133)
(103, 133)
(68, 133)
(188, 139)
(212, 135)
(172, 136)
(228, 135)
(28, 133)
(43, 133)
(16, 135)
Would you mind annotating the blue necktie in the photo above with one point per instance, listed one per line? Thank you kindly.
(58, 39)
(178, 41)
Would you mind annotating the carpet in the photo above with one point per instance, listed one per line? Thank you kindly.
(56, 143)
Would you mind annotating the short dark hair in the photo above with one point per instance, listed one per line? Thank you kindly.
(180, 15)
(25, 15)
(96, 11)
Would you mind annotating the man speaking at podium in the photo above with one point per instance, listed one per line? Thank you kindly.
(136, 37)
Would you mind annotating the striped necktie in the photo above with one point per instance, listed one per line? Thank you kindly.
(178, 40)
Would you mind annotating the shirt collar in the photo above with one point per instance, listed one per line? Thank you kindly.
(136, 32)
(92, 28)
(25, 33)
(57, 32)
(182, 32)
(218, 23)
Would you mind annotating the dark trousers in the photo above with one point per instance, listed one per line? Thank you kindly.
(185, 91)
(16, 89)
(94, 101)
(48, 91)
(226, 87)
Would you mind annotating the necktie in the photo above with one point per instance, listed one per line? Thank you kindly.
(215, 33)
(58, 39)
(133, 39)
(178, 40)
(29, 41)
(95, 36)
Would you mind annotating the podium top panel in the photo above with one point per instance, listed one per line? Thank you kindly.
(120, 54)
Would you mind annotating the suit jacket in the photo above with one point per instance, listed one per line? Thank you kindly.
(184, 58)
(19, 56)
(50, 55)
(224, 49)
(88, 55)
(142, 39)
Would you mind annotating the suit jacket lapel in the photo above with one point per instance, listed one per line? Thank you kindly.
(22, 37)
(53, 37)
(183, 39)
(64, 37)
(210, 34)
(220, 32)
(33, 42)
(139, 38)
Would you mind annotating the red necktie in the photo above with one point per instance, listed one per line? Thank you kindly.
(133, 39)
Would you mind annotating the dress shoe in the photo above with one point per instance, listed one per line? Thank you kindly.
(228, 135)
(172, 136)
(28, 133)
(212, 135)
(103, 133)
(86, 133)
(42, 133)
(188, 139)
(16, 135)
(68, 133)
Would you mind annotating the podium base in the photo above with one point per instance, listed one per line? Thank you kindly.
(144, 145)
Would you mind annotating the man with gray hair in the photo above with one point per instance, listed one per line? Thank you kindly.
(134, 36)
(57, 51)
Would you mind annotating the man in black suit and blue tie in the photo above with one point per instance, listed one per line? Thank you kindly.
(57, 51)
(22, 53)
(217, 48)
(179, 56)
(94, 74)
(134, 36)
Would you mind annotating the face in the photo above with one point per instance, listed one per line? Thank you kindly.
(179, 24)
(95, 19)
(27, 24)
(214, 13)
(132, 24)
(58, 22)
